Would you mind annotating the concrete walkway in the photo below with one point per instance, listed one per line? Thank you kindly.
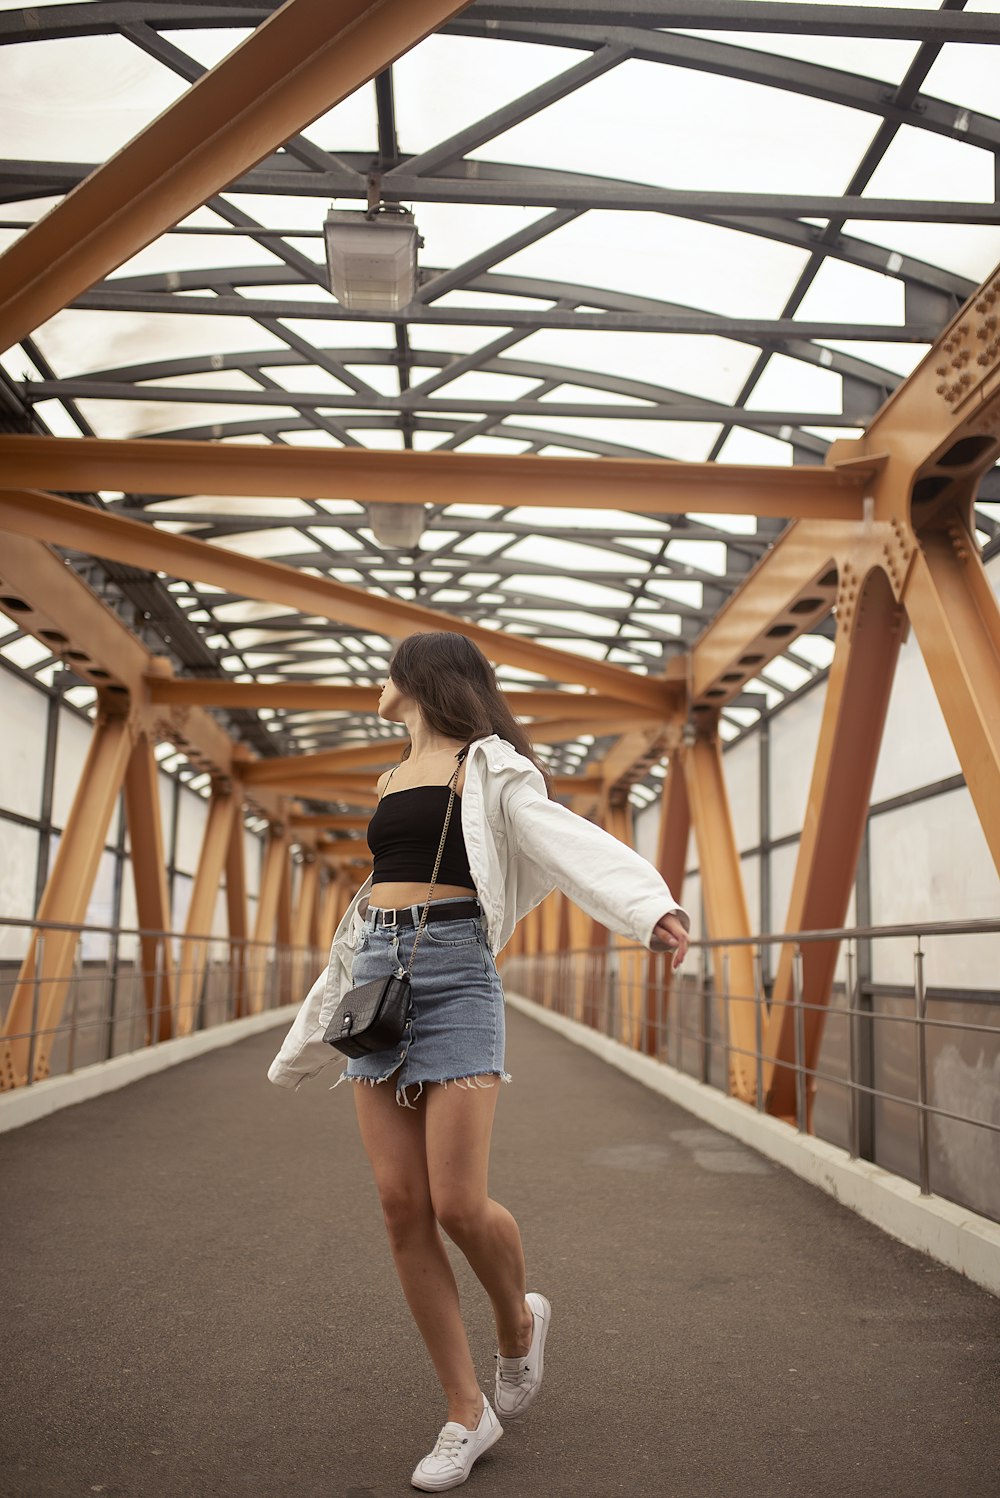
(199, 1303)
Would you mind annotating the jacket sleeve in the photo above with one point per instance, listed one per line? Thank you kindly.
(303, 1053)
(607, 879)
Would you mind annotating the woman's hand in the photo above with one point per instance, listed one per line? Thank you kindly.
(668, 929)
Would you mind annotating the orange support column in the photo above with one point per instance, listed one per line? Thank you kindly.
(304, 924)
(328, 910)
(236, 910)
(956, 620)
(630, 961)
(195, 947)
(857, 697)
(145, 829)
(725, 902)
(671, 857)
(42, 985)
(275, 860)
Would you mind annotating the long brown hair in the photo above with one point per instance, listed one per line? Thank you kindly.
(456, 688)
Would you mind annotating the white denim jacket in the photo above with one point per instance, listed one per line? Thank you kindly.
(521, 846)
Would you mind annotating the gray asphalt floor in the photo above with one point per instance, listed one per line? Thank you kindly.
(198, 1302)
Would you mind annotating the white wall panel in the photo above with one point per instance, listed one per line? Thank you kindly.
(72, 746)
(794, 736)
(647, 831)
(916, 746)
(252, 846)
(17, 885)
(191, 820)
(128, 945)
(750, 869)
(742, 771)
(24, 710)
(931, 861)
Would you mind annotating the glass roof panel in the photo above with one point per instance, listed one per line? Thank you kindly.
(596, 128)
(641, 122)
(653, 255)
(873, 57)
(51, 110)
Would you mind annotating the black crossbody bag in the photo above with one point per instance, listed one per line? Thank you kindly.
(373, 1017)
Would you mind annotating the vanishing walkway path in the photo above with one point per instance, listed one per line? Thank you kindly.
(199, 1303)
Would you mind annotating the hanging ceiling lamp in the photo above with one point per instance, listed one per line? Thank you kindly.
(372, 257)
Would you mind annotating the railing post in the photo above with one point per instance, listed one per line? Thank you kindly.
(920, 996)
(35, 1000)
(853, 1113)
(800, 1048)
(725, 1021)
(758, 1016)
(706, 1017)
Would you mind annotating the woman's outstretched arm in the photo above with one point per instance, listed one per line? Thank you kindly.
(607, 879)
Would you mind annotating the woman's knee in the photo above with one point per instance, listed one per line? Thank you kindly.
(405, 1211)
(460, 1215)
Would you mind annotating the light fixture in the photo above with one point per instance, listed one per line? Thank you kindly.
(372, 257)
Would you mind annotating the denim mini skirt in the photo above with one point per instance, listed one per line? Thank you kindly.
(455, 1031)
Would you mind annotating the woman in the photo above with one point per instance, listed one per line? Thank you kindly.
(428, 1138)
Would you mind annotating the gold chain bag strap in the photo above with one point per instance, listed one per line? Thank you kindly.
(373, 1017)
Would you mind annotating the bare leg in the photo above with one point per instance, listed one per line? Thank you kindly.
(458, 1129)
(393, 1138)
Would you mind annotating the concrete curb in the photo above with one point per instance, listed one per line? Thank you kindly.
(27, 1104)
(951, 1234)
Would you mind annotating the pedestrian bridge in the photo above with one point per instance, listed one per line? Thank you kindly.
(201, 1301)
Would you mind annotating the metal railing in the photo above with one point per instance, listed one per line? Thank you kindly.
(112, 995)
(918, 1084)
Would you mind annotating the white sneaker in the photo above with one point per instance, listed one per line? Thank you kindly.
(455, 1450)
(519, 1379)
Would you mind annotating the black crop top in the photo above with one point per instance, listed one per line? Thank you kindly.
(404, 833)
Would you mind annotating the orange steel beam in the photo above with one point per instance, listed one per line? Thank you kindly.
(956, 620)
(857, 699)
(301, 62)
(222, 811)
(725, 902)
(327, 921)
(66, 897)
(52, 602)
(141, 545)
(145, 829)
(653, 486)
(342, 821)
(236, 910)
(792, 588)
(307, 697)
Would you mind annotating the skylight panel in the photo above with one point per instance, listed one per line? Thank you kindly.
(849, 293)
(655, 255)
(745, 446)
(280, 542)
(479, 385)
(707, 366)
(595, 130)
(207, 251)
(52, 111)
(898, 358)
(308, 378)
(919, 164)
(454, 232)
(793, 385)
(481, 543)
(686, 440)
(210, 46)
(567, 589)
(543, 517)
(708, 556)
(140, 418)
(971, 250)
(449, 82)
(548, 551)
(488, 442)
(870, 57)
(965, 75)
(78, 342)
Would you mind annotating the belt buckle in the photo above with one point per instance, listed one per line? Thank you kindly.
(385, 917)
